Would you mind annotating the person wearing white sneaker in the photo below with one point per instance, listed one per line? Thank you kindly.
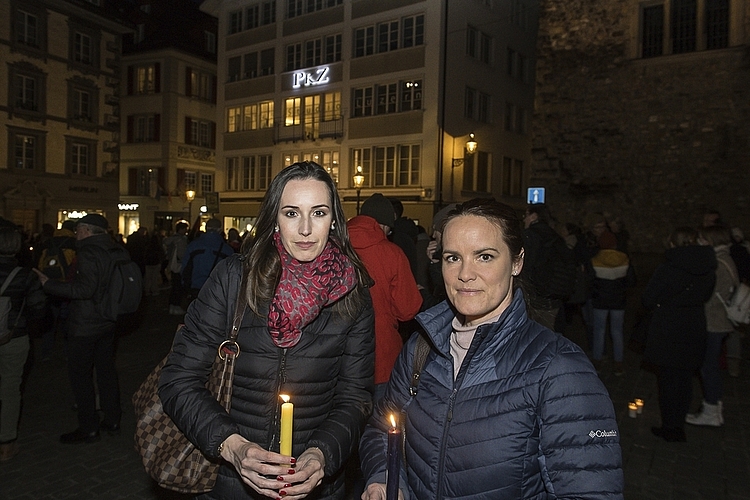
(718, 326)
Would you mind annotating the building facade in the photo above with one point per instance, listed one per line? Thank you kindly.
(168, 105)
(643, 112)
(60, 109)
(389, 89)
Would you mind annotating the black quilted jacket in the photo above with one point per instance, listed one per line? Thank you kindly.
(328, 374)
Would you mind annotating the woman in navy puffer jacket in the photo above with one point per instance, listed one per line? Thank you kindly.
(505, 408)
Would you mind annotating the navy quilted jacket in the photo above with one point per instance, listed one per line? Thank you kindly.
(527, 417)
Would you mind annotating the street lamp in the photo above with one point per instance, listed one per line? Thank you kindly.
(471, 144)
(359, 180)
(190, 196)
(471, 148)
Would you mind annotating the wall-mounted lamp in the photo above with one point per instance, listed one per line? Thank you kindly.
(359, 180)
(471, 145)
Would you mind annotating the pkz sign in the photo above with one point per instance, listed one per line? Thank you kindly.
(317, 76)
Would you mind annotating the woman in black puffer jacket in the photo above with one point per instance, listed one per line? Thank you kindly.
(307, 332)
(676, 294)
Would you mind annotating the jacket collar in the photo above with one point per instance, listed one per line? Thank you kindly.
(436, 322)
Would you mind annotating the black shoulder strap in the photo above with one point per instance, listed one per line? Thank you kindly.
(421, 350)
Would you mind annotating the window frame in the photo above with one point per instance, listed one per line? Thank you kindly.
(72, 144)
(39, 149)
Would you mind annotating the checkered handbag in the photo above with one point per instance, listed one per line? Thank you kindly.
(167, 455)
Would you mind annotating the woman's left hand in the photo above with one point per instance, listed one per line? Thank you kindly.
(308, 474)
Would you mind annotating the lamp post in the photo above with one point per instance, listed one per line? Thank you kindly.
(359, 180)
(190, 196)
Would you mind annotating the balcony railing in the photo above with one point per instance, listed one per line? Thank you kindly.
(331, 129)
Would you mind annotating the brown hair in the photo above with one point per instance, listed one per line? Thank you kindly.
(262, 263)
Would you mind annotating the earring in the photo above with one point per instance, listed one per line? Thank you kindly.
(333, 225)
(276, 228)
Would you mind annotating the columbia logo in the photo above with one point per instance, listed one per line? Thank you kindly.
(602, 434)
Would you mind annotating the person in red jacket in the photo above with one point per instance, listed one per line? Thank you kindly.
(395, 296)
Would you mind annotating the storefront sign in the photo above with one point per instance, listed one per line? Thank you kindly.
(128, 206)
(318, 76)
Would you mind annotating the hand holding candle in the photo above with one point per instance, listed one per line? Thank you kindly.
(285, 436)
(394, 461)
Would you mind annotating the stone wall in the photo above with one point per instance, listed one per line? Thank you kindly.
(656, 141)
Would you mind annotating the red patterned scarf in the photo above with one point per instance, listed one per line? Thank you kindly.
(304, 289)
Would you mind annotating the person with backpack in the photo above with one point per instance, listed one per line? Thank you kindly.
(57, 261)
(549, 271)
(719, 328)
(202, 255)
(92, 325)
(22, 304)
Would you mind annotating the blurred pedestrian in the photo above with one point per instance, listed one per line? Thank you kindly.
(612, 275)
(718, 327)
(676, 342)
(27, 307)
(91, 342)
(395, 297)
(175, 247)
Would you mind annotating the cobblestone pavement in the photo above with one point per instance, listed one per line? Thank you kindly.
(714, 464)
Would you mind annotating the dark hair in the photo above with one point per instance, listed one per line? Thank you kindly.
(503, 216)
(180, 226)
(262, 263)
(716, 235)
(10, 241)
(541, 211)
(398, 207)
(683, 237)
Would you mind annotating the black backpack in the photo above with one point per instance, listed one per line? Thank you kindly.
(125, 288)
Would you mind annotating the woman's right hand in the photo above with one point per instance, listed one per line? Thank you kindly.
(376, 491)
(259, 468)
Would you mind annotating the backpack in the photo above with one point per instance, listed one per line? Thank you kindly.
(123, 294)
(6, 331)
(738, 303)
(55, 260)
(557, 271)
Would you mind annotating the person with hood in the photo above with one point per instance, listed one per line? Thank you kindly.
(676, 338)
(611, 274)
(504, 408)
(395, 296)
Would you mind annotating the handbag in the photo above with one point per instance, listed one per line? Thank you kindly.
(167, 455)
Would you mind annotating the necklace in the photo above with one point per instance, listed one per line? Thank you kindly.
(459, 345)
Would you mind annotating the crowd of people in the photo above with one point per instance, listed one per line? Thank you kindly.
(458, 332)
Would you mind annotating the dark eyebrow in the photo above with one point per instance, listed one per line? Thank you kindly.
(295, 207)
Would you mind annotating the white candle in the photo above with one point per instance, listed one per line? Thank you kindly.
(639, 404)
(632, 410)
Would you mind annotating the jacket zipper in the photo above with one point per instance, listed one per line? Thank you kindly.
(280, 381)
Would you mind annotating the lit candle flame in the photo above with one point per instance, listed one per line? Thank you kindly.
(393, 421)
(284, 397)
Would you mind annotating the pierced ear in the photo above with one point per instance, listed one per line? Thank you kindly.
(276, 228)
(333, 225)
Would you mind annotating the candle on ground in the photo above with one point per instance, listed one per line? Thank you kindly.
(632, 410)
(639, 404)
